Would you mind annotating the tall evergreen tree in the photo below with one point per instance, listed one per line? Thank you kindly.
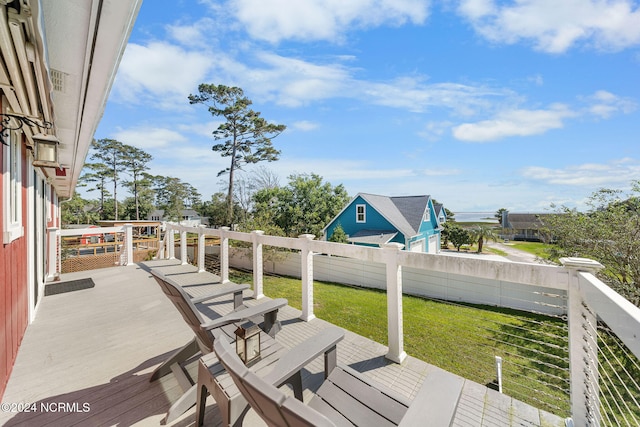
(136, 162)
(96, 178)
(246, 137)
(111, 153)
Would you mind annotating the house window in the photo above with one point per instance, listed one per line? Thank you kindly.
(12, 191)
(427, 215)
(361, 213)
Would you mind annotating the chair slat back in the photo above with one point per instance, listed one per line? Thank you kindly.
(271, 404)
(186, 308)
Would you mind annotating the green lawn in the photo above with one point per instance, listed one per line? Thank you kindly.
(538, 249)
(462, 339)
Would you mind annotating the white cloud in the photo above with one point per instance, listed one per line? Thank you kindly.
(340, 169)
(615, 174)
(537, 80)
(160, 73)
(293, 82)
(604, 104)
(276, 20)
(435, 171)
(435, 130)
(196, 34)
(305, 125)
(202, 129)
(556, 26)
(514, 123)
(414, 94)
(149, 137)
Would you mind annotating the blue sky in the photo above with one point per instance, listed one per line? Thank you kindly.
(482, 104)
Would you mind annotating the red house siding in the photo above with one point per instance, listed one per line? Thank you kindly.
(14, 292)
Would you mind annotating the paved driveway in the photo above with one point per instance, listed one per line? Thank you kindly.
(514, 254)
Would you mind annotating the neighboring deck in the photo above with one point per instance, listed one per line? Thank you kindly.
(89, 354)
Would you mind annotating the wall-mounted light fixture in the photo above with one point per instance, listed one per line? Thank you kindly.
(46, 153)
(46, 146)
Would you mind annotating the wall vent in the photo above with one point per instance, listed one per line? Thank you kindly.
(58, 79)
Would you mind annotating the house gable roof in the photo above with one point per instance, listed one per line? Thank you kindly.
(526, 221)
(412, 208)
(405, 213)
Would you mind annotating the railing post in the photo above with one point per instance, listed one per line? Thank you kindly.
(128, 233)
(171, 243)
(52, 262)
(224, 255)
(583, 350)
(201, 248)
(306, 260)
(257, 263)
(183, 246)
(394, 302)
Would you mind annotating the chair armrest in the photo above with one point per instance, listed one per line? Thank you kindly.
(221, 290)
(436, 402)
(299, 356)
(246, 313)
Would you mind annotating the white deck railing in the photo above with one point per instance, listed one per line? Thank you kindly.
(588, 301)
(55, 235)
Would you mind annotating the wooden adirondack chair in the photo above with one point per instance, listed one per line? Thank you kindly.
(203, 337)
(346, 397)
(276, 366)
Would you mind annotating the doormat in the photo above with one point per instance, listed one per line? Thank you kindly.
(72, 285)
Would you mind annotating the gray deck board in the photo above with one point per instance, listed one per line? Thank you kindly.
(99, 346)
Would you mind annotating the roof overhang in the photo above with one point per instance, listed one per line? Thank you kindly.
(73, 49)
(372, 237)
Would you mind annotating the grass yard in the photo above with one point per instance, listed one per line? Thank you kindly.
(536, 248)
(462, 339)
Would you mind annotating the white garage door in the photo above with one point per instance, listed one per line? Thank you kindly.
(417, 246)
(433, 244)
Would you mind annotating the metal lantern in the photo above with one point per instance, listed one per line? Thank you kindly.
(46, 153)
(248, 342)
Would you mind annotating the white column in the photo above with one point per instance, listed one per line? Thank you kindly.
(306, 260)
(52, 261)
(583, 351)
(183, 246)
(224, 255)
(257, 264)
(394, 302)
(128, 233)
(171, 243)
(201, 248)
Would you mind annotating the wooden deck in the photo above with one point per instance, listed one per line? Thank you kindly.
(88, 356)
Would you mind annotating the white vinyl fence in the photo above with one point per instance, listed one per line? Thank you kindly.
(430, 284)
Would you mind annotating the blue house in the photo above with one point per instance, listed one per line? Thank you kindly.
(374, 220)
(441, 213)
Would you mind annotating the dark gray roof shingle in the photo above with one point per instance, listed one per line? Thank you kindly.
(403, 212)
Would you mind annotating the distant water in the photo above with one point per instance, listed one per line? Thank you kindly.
(487, 217)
